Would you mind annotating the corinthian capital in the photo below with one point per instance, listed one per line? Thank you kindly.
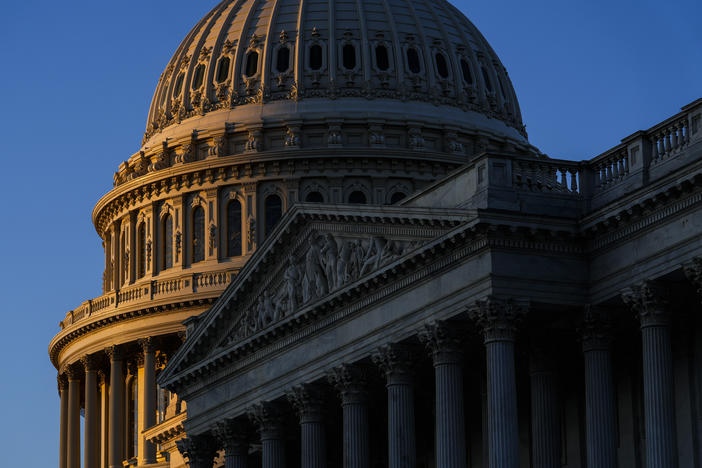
(498, 318)
(233, 435)
(90, 362)
(267, 417)
(308, 401)
(693, 271)
(648, 300)
(443, 341)
(596, 329)
(350, 380)
(200, 450)
(394, 359)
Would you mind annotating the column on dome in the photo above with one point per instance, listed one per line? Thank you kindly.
(199, 450)
(62, 381)
(647, 300)
(350, 381)
(91, 432)
(212, 225)
(308, 401)
(444, 344)
(600, 412)
(233, 436)
(116, 407)
(497, 318)
(266, 417)
(545, 420)
(396, 362)
(73, 440)
(147, 400)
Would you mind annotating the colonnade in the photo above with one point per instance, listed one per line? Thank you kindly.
(105, 403)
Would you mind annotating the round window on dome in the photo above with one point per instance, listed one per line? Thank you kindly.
(223, 69)
(349, 56)
(282, 62)
(465, 69)
(413, 60)
(199, 76)
(382, 59)
(178, 85)
(251, 63)
(441, 65)
(315, 57)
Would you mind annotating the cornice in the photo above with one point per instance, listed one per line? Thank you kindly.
(168, 430)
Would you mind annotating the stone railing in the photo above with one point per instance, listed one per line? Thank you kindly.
(546, 175)
(155, 290)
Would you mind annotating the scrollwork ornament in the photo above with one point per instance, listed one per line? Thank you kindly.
(648, 301)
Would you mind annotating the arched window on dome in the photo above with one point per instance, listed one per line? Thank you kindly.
(396, 197)
(413, 60)
(282, 62)
(223, 69)
(316, 59)
(141, 250)
(233, 228)
(348, 53)
(251, 63)
(357, 197)
(199, 76)
(465, 70)
(441, 65)
(314, 197)
(167, 242)
(178, 85)
(382, 58)
(273, 211)
(198, 241)
(486, 78)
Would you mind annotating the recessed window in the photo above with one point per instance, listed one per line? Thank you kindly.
(413, 60)
(273, 208)
(251, 63)
(141, 250)
(234, 228)
(465, 70)
(167, 242)
(358, 197)
(396, 197)
(282, 62)
(486, 77)
(441, 65)
(382, 60)
(198, 244)
(178, 85)
(315, 57)
(223, 69)
(199, 76)
(314, 197)
(349, 56)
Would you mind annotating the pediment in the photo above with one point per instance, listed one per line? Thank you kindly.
(313, 256)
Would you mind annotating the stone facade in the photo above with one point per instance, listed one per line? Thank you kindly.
(367, 264)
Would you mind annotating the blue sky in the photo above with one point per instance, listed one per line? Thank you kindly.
(77, 79)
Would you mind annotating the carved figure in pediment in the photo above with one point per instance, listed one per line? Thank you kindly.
(314, 274)
(293, 279)
(330, 254)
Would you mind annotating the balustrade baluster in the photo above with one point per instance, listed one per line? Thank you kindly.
(667, 142)
(573, 180)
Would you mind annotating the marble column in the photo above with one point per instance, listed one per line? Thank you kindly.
(63, 428)
(73, 440)
(350, 381)
(116, 403)
(234, 437)
(148, 396)
(497, 319)
(447, 354)
(545, 420)
(600, 410)
(308, 401)
(266, 416)
(396, 362)
(647, 300)
(90, 449)
(199, 450)
(104, 416)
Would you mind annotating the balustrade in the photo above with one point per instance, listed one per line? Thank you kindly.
(669, 139)
(551, 175)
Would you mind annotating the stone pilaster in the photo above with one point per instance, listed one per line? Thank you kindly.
(646, 299)
(199, 450)
(545, 420)
(63, 427)
(266, 416)
(147, 388)
(116, 413)
(308, 401)
(396, 362)
(233, 436)
(600, 415)
(498, 320)
(73, 440)
(90, 449)
(350, 381)
(447, 354)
